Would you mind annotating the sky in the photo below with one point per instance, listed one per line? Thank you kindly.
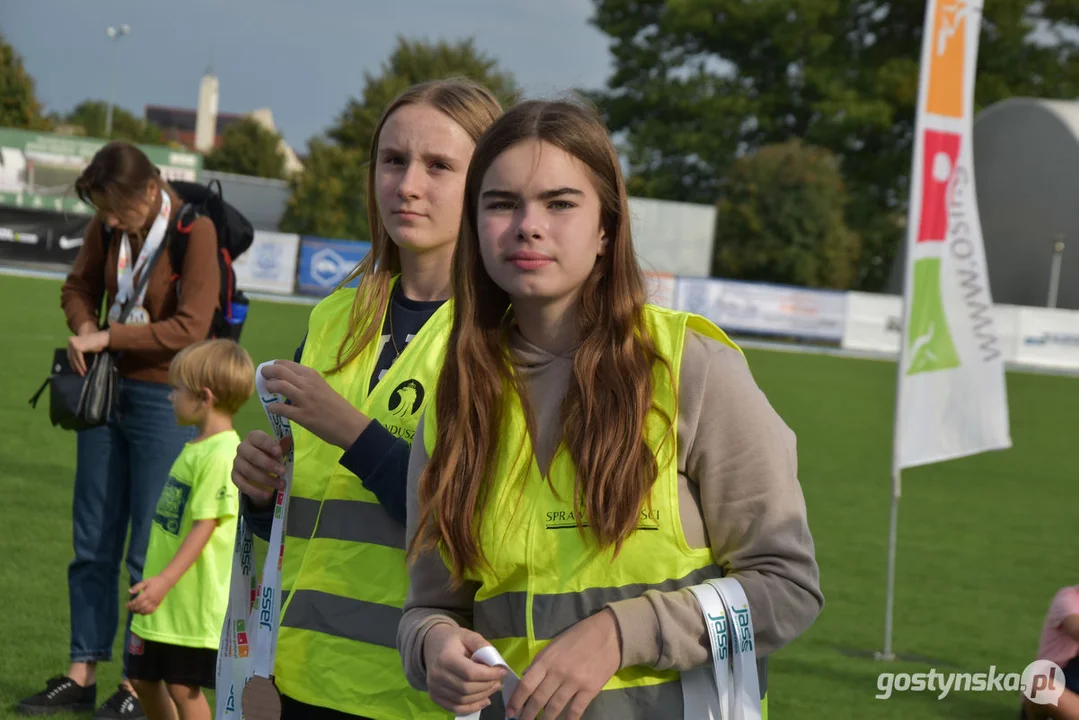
(301, 58)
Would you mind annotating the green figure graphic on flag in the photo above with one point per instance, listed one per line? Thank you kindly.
(930, 342)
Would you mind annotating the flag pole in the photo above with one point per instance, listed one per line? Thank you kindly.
(889, 606)
(893, 520)
(942, 124)
(913, 215)
(897, 423)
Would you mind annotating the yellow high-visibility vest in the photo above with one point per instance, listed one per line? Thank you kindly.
(344, 568)
(544, 575)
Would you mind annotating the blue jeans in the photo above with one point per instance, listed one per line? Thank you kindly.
(120, 472)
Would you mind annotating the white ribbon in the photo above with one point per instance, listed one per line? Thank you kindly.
(491, 657)
(730, 688)
(266, 615)
(125, 277)
(249, 636)
(233, 657)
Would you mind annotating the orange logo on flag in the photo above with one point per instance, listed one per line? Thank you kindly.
(947, 57)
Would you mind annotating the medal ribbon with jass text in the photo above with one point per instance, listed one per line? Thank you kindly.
(249, 636)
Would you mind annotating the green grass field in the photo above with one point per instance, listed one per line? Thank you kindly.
(984, 542)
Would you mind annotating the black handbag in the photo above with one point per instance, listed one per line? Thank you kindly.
(101, 391)
(81, 403)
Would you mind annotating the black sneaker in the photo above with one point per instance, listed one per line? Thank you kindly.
(121, 706)
(61, 694)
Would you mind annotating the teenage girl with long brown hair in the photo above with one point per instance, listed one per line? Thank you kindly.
(588, 457)
(356, 390)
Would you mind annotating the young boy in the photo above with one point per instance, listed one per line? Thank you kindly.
(182, 600)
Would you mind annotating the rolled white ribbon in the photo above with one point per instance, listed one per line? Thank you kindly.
(491, 657)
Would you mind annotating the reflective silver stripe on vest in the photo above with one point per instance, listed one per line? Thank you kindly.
(343, 617)
(552, 614)
(504, 616)
(649, 702)
(350, 520)
(302, 516)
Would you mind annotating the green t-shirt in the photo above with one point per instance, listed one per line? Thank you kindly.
(199, 488)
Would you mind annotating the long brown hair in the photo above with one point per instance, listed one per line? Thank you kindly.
(474, 108)
(610, 393)
(118, 174)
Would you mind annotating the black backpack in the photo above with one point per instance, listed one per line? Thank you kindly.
(234, 236)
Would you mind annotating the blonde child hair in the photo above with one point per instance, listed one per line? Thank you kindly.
(219, 365)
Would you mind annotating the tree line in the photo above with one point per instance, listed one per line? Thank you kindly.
(795, 118)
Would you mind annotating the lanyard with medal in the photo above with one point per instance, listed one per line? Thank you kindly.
(260, 699)
(125, 275)
(233, 662)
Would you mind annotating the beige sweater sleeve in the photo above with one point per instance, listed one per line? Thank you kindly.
(431, 598)
(742, 458)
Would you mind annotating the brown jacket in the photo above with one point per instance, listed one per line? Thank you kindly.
(738, 494)
(180, 312)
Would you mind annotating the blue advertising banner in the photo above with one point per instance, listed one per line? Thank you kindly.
(325, 263)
